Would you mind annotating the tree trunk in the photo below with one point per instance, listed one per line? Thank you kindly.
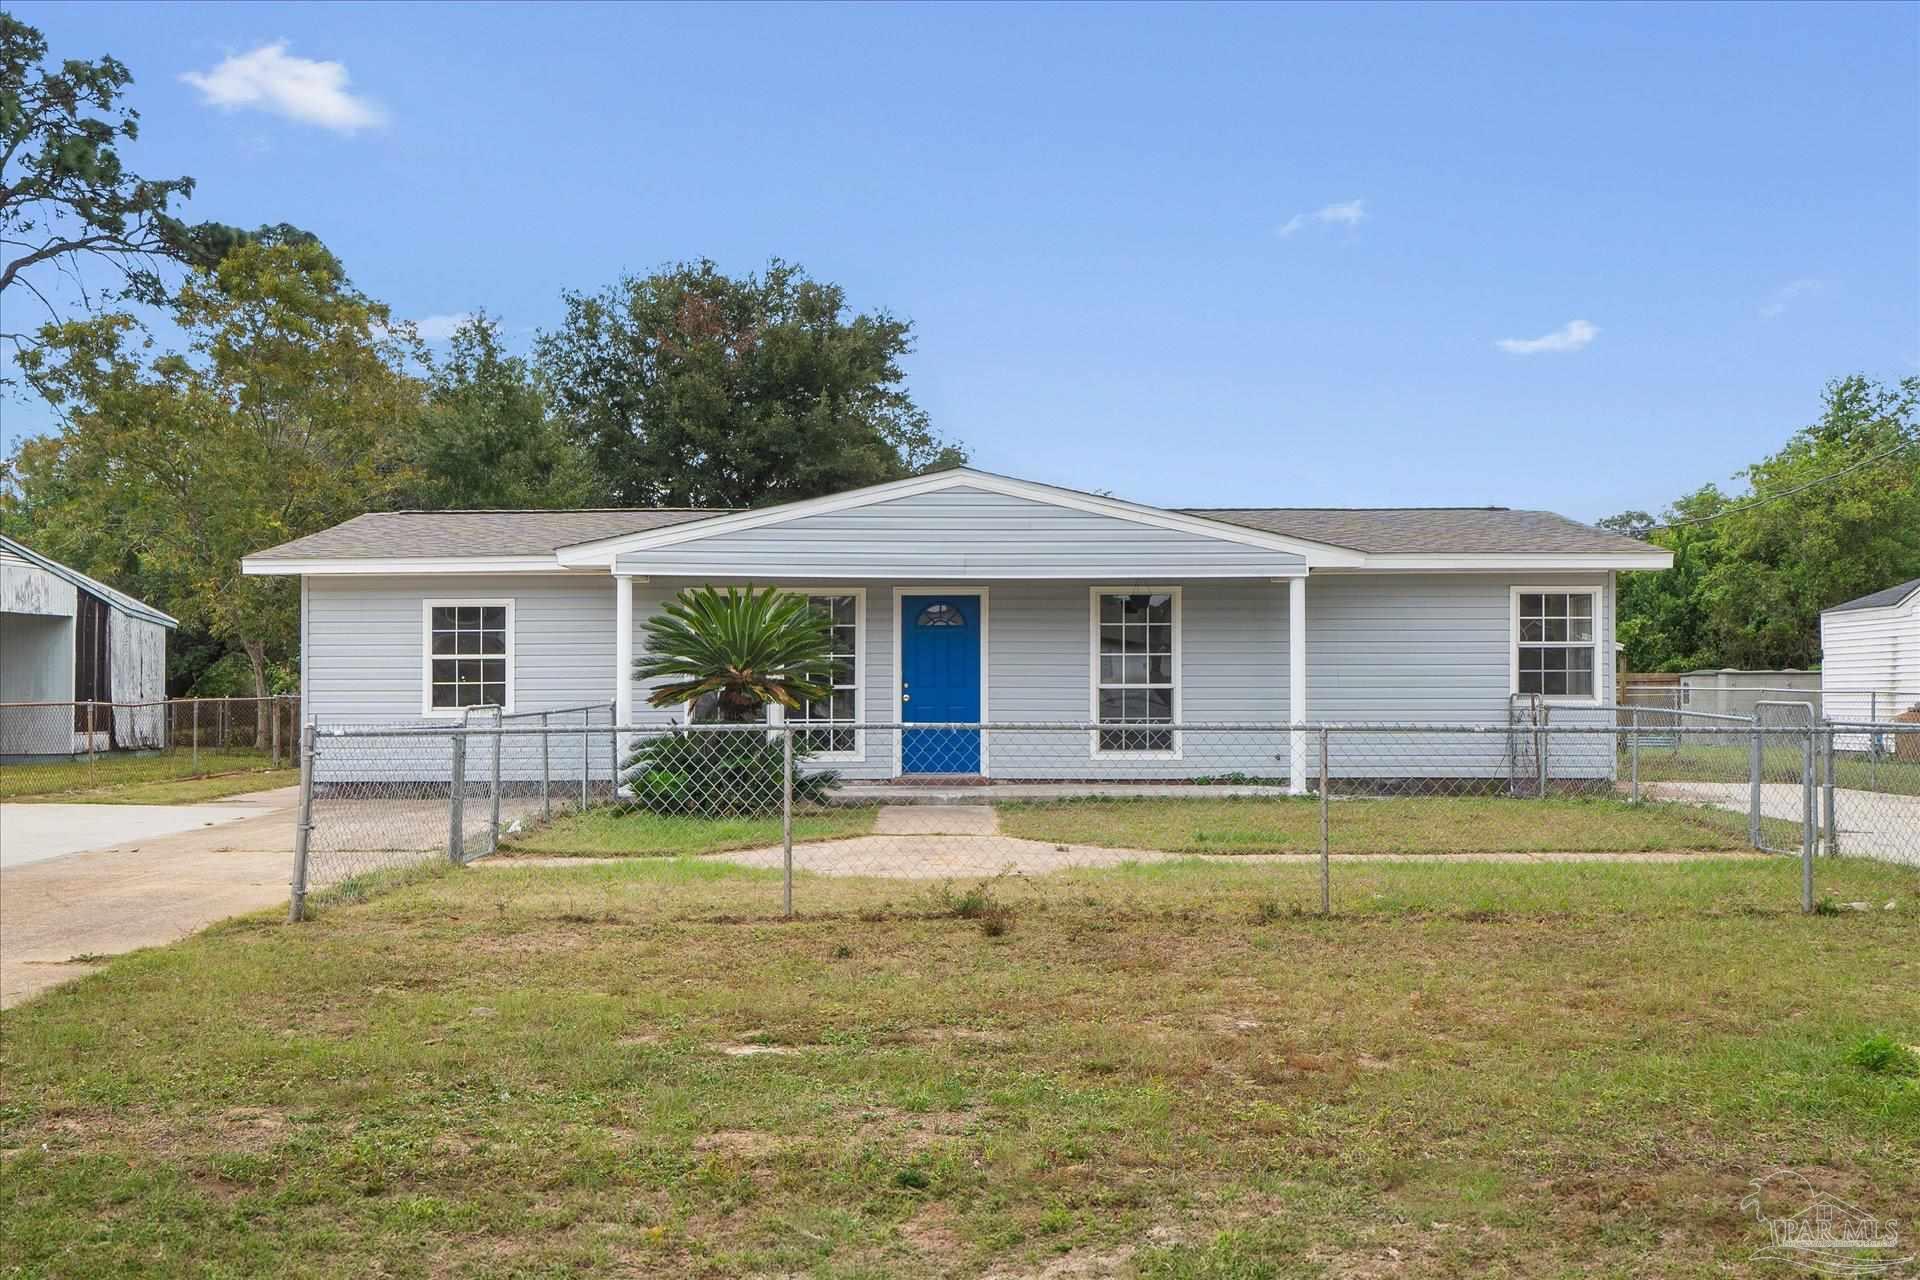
(256, 652)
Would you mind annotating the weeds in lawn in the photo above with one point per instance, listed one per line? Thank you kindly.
(1527, 1070)
(1883, 1055)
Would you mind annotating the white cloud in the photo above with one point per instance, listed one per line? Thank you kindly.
(1348, 213)
(1571, 336)
(1786, 294)
(271, 79)
(440, 328)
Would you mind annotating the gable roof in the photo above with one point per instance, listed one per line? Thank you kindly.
(480, 541)
(119, 601)
(1884, 599)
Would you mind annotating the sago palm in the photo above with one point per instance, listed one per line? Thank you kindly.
(747, 648)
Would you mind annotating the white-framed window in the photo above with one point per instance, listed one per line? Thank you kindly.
(1136, 670)
(830, 720)
(467, 655)
(1556, 642)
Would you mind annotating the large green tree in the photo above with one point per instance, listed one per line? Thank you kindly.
(279, 420)
(1833, 515)
(67, 199)
(689, 387)
(486, 438)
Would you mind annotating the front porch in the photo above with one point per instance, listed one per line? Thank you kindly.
(1094, 682)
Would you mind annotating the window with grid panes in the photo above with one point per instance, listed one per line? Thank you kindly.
(1135, 684)
(831, 719)
(1557, 637)
(467, 655)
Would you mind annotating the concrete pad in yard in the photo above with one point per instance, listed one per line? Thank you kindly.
(35, 832)
(60, 912)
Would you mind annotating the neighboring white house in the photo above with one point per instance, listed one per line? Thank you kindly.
(1870, 655)
(965, 597)
(67, 639)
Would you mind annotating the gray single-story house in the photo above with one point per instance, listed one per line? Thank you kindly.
(68, 640)
(967, 597)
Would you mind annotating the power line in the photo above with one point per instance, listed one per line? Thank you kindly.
(1785, 493)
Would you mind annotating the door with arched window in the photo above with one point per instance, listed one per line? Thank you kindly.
(940, 683)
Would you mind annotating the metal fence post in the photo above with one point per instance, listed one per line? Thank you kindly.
(1540, 750)
(456, 801)
(302, 831)
(273, 734)
(1806, 825)
(1633, 750)
(1326, 880)
(546, 771)
(196, 735)
(613, 745)
(586, 755)
(1832, 822)
(786, 820)
(1753, 785)
(493, 817)
(93, 709)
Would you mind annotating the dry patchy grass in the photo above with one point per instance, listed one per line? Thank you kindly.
(1424, 824)
(1164, 1071)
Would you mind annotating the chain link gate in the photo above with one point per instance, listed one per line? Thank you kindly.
(1783, 777)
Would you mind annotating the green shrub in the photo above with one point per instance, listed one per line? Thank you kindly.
(715, 775)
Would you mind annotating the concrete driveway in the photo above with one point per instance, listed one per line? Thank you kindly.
(145, 875)
(1873, 824)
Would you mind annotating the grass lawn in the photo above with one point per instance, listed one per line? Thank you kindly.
(607, 833)
(628, 1069)
(157, 778)
(1424, 824)
(1782, 764)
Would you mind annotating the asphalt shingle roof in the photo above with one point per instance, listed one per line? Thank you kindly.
(1879, 599)
(1412, 530)
(386, 535)
(1376, 530)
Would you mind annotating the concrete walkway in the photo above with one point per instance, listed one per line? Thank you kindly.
(142, 889)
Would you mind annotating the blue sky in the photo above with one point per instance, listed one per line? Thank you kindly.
(1204, 256)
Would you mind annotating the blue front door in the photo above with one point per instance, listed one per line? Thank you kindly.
(940, 683)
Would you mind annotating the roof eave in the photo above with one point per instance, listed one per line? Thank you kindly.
(268, 566)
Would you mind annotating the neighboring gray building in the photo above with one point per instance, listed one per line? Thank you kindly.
(1731, 691)
(965, 597)
(67, 639)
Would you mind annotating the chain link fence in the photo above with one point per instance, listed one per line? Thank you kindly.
(384, 797)
(791, 809)
(57, 748)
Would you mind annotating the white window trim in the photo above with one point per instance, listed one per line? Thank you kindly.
(900, 592)
(426, 652)
(1093, 670)
(778, 713)
(1594, 590)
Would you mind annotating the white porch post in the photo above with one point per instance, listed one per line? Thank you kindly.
(1297, 684)
(622, 660)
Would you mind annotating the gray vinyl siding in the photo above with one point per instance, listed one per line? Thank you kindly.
(364, 666)
(962, 533)
(1412, 648)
